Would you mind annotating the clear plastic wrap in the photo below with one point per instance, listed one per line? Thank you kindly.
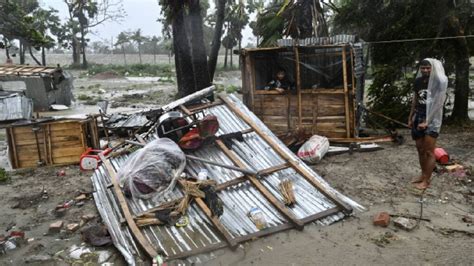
(153, 170)
(437, 86)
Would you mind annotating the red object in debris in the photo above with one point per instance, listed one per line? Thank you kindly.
(20, 234)
(90, 159)
(441, 156)
(382, 219)
(61, 173)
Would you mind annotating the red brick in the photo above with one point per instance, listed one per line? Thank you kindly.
(382, 219)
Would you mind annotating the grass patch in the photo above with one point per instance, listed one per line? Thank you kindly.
(140, 70)
(84, 97)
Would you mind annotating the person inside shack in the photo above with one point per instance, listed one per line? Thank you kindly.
(280, 83)
(426, 116)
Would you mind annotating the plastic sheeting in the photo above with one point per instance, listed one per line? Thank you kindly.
(152, 171)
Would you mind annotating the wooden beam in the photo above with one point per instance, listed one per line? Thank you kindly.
(214, 219)
(346, 92)
(298, 84)
(295, 164)
(137, 234)
(260, 187)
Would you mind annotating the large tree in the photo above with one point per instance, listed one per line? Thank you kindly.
(411, 19)
(84, 15)
(185, 19)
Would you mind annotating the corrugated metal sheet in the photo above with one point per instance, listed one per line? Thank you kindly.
(25, 71)
(238, 200)
(15, 106)
(134, 120)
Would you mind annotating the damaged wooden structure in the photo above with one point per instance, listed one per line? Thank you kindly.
(44, 85)
(258, 150)
(40, 142)
(328, 77)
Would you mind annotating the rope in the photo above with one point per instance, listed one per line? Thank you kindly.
(421, 39)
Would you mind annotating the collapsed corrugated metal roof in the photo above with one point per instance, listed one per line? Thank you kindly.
(260, 151)
(15, 106)
(26, 71)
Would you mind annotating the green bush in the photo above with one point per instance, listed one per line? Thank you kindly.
(390, 94)
(83, 97)
(4, 177)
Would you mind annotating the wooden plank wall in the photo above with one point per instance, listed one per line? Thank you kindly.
(322, 112)
(59, 143)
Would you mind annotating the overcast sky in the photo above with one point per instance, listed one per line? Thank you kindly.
(140, 14)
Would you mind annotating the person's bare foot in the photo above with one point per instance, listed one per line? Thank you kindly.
(417, 180)
(422, 185)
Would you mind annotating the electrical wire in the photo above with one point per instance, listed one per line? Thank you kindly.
(421, 39)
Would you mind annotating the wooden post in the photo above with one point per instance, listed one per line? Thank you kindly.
(13, 144)
(260, 187)
(295, 164)
(354, 99)
(298, 84)
(152, 253)
(346, 92)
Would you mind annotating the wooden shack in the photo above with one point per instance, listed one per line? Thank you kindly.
(327, 87)
(50, 142)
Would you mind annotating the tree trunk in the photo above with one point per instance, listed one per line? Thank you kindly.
(33, 56)
(139, 54)
(461, 90)
(198, 48)
(225, 58)
(76, 59)
(124, 56)
(231, 59)
(154, 53)
(83, 47)
(216, 40)
(22, 53)
(183, 60)
(43, 56)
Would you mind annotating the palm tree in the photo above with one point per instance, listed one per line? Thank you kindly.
(122, 39)
(139, 39)
(296, 18)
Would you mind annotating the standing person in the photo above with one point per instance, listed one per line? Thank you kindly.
(426, 116)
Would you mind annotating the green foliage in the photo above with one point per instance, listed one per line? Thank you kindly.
(4, 177)
(143, 70)
(401, 20)
(390, 94)
(232, 89)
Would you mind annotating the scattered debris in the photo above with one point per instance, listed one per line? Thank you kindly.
(72, 227)
(96, 235)
(441, 156)
(38, 258)
(55, 227)
(286, 189)
(405, 223)
(314, 149)
(258, 218)
(384, 239)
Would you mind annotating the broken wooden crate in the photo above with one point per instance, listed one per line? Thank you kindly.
(50, 142)
(260, 151)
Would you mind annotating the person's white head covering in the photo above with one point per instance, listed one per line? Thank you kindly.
(437, 86)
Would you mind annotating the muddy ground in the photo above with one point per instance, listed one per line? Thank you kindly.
(378, 180)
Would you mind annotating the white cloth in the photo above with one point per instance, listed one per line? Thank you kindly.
(437, 86)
